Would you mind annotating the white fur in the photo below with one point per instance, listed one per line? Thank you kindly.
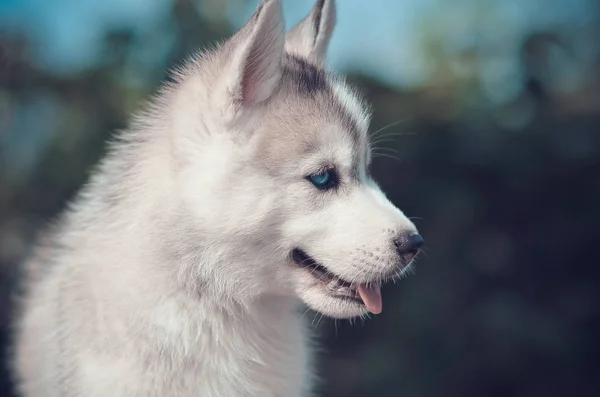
(170, 274)
(310, 38)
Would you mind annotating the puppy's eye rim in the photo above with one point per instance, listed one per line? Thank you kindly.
(324, 179)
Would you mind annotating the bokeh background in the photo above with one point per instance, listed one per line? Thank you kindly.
(492, 145)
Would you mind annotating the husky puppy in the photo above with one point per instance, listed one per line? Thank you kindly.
(242, 190)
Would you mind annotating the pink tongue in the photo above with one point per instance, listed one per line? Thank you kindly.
(371, 297)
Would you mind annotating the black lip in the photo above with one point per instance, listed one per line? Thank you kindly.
(302, 259)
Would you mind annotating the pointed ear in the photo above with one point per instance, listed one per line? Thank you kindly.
(310, 37)
(253, 65)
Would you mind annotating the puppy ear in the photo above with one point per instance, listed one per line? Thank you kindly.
(310, 37)
(254, 55)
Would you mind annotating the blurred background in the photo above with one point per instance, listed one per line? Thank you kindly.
(492, 144)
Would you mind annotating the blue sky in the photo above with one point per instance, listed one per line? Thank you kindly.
(380, 37)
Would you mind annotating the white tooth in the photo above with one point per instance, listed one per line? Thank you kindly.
(339, 290)
(336, 285)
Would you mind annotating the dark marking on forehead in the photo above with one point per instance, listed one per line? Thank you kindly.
(348, 122)
(308, 78)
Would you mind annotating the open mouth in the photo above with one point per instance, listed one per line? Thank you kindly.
(368, 295)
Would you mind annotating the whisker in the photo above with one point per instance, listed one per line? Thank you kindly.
(381, 140)
(389, 137)
(320, 319)
(394, 134)
(314, 318)
(384, 150)
(389, 149)
(306, 311)
(375, 155)
(374, 134)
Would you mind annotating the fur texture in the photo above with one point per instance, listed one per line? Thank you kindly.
(172, 274)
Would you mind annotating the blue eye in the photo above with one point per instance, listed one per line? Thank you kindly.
(320, 179)
(324, 179)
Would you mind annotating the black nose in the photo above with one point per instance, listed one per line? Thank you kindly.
(408, 246)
